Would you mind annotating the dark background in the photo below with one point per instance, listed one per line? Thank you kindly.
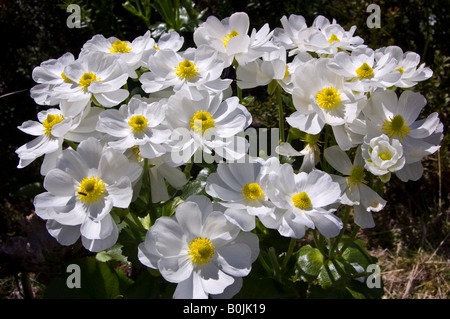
(416, 216)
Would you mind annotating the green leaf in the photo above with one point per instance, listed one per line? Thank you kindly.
(192, 188)
(98, 280)
(113, 253)
(309, 263)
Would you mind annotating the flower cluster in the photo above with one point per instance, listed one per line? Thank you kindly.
(125, 110)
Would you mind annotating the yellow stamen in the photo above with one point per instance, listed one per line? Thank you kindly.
(91, 189)
(138, 123)
(201, 121)
(201, 251)
(328, 98)
(120, 47)
(301, 200)
(252, 191)
(87, 79)
(364, 71)
(396, 127)
(230, 35)
(186, 70)
(50, 121)
(333, 38)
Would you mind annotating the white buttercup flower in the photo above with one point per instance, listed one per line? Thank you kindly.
(137, 124)
(355, 191)
(49, 74)
(199, 250)
(229, 37)
(321, 97)
(304, 200)
(363, 71)
(383, 156)
(95, 76)
(396, 117)
(310, 152)
(294, 34)
(51, 130)
(407, 65)
(128, 53)
(199, 67)
(238, 185)
(167, 41)
(205, 124)
(334, 37)
(81, 191)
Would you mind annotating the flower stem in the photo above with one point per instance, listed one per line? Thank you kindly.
(336, 241)
(275, 264)
(289, 252)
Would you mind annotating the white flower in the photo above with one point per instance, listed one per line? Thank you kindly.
(199, 250)
(51, 130)
(356, 193)
(81, 191)
(137, 124)
(407, 65)
(397, 118)
(205, 124)
(321, 97)
(230, 38)
(238, 185)
(334, 37)
(364, 71)
(94, 76)
(310, 153)
(128, 53)
(199, 67)
(304, 200)
(49, 74)
(167, 41)
(383, 156)
(294, 34)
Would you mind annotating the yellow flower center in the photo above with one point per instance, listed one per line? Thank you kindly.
(201, 250)
(120, 47)
(230, 35)
(301, 200)
(396, 127)
(333, 38)
(400, 70)
(201, 121)
(186, 70)
(65, 78)
(156, 47)
(286, 73)
(50, 121)
(357, 176)
(328, 98)
(91, 189)
(252, 191)
(138, 123)
(364, 71)
(385, 156)
(87, 79)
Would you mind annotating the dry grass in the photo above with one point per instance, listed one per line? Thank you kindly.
(414, 275)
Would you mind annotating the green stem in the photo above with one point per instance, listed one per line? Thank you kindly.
(289, 252)
(318, 241)
(334, 245)
(275, 264)
(280, 112)
(188, 168)
(71, 144)
(352, 238)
